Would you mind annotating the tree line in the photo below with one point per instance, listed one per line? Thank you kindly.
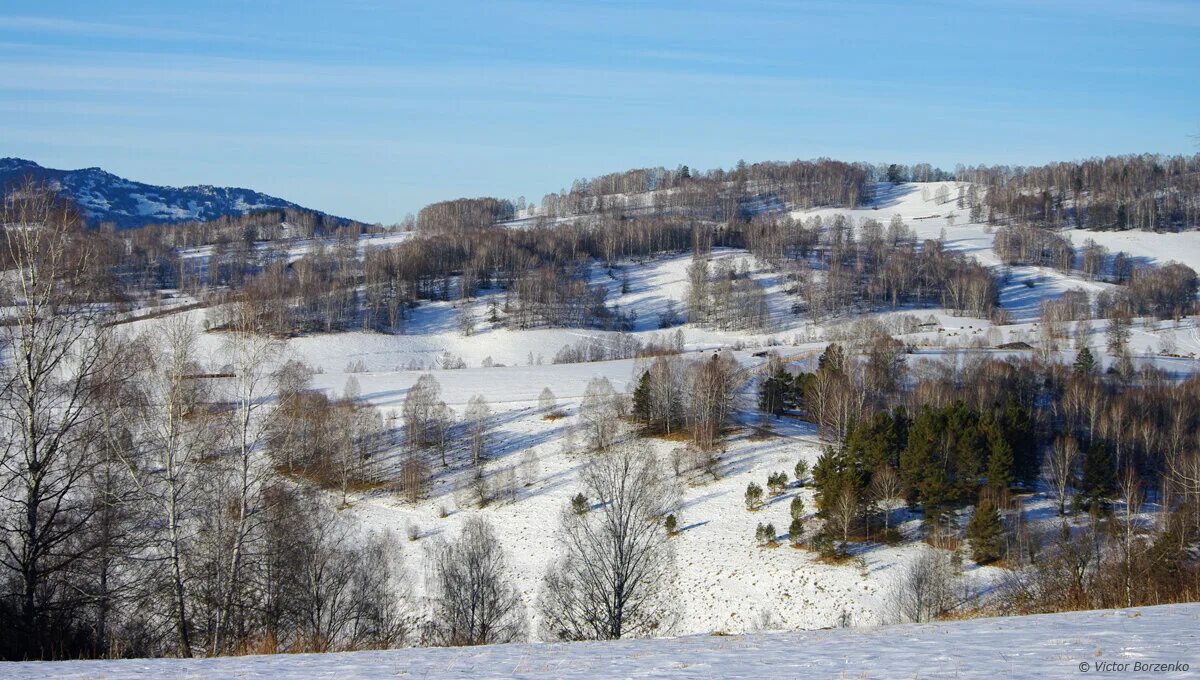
(1147, 191)
(982, 434)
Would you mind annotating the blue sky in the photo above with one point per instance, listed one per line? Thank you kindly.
(372, 109)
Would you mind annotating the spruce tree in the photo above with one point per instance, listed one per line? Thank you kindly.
(642, 409)
(985, 531)
(1098, 475)
(1085, 363)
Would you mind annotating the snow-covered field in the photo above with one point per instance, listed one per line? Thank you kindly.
(1076, 644)
(726, 583)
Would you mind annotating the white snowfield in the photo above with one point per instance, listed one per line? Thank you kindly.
(726, 582)
(1159, 641)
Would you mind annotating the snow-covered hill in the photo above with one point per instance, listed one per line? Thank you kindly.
(105, 197)
(726, 582)
(1159, 641)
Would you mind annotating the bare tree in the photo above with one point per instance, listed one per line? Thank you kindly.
(1060, 469)
(478, 416)
(615, 575)
(547, 403)
(347, 595)
(885, 488)
(713, 384)
(843, 515)
(174, 420)
(252, 355)
(598, 414)
(927, 588)
(474, 599)
(53, 343)
(420, 411)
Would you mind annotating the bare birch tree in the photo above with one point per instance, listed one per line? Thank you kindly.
(475, 601)
(614, 578)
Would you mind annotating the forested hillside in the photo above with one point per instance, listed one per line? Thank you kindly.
(795, 395)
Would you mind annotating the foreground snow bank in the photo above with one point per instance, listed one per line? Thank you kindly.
(1055, 646)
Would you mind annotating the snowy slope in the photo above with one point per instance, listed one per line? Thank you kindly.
(726, 583)
(1049, 646)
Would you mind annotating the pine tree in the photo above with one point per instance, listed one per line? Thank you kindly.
(801, 471)
(1085, 363)
(832, 359)
(796, 531)
(1000, 454)
(772, 393)
(1098, 475)
(922, 466)
(985, 531)
(836, 471)
(797, 508)
(671, 524)
(967, 456)
(777, 482)
(1018, 432)
(754, 496)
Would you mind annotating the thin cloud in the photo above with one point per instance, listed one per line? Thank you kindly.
(98, 29)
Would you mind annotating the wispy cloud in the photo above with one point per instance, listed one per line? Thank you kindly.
(97, 29)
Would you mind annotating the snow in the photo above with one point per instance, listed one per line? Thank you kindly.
(1053, 645)
(726, 583)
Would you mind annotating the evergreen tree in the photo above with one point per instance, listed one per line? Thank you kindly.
(797, 508)
(836, 471)
(642, 404)
(1017, 427)
(801, 471)
(777, 482)
(879, 440)
(922, 465)
(985, 531)
(1000, 454)
(579, 504)
(1085, 363)
(966, 456)
(754, 496)
(798, 387)
(772, 393)
(796, 531)
(1098, 475)
(671, 524)
(832, 359)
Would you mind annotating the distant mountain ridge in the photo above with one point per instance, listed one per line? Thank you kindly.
(105, 197)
